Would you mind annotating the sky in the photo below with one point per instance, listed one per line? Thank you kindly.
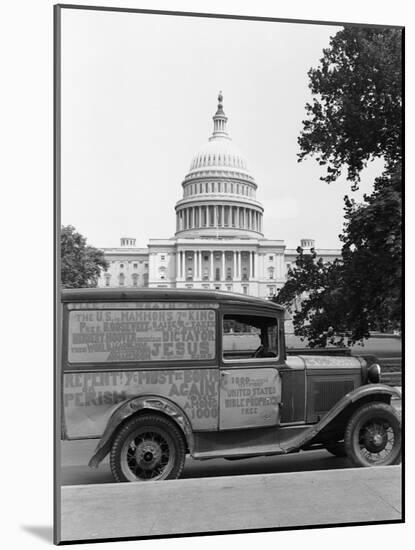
(138, 95)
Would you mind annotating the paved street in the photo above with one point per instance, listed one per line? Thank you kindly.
(75, 456)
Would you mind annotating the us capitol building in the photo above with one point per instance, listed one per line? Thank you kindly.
(219, 241)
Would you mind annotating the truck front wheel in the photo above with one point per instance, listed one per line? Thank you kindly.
(373, 436)
(148, 448)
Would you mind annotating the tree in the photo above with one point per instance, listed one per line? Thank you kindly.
(313, 294)
(81, 264)
(356, 117)
(372, 256)
(357, 114)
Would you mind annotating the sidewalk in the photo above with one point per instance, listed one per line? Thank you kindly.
(231, 503)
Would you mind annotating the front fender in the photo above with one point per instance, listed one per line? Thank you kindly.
(127, 409)
(352, 397)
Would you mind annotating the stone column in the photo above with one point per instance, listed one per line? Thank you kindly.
(234, 265)
(280, 273)
(239, 264)
(211, 266)
(223, 266)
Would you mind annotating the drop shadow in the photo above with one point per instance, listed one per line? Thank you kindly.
(43, 532)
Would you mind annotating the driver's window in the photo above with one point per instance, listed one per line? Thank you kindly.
(249, 337)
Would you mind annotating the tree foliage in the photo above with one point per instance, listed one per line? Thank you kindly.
(313, 294)
(355, 117)
(372, 256)
(81, 264)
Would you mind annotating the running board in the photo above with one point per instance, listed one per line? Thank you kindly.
(241, 452)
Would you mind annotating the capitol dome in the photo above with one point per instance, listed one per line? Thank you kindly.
(219, 153)
(219, 193)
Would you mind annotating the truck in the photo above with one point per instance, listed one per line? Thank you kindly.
(157, 374)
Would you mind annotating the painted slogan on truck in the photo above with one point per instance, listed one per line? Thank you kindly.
(249, 397)
(141, 335)
(90, 398)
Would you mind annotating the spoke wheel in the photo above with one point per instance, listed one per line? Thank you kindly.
(147, 448)
(373, 436)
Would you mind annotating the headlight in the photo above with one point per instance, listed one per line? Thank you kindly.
(374, 373)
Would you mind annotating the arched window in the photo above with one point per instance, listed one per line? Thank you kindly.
(121, 279)
(107, 279)
(271, 271)
(135, 279)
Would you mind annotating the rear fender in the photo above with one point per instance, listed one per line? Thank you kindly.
(131, 407)
(362, 392)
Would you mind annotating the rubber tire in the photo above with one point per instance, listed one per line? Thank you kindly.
(361, 416)
(337, 449)
(148, 420)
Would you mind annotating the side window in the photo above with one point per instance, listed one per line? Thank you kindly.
(249, 337)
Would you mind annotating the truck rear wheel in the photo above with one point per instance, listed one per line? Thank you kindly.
(148, 448)
(373, 436)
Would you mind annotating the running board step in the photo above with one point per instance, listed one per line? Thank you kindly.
(240, 452)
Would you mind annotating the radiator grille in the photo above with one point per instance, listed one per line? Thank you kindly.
(327, 393)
